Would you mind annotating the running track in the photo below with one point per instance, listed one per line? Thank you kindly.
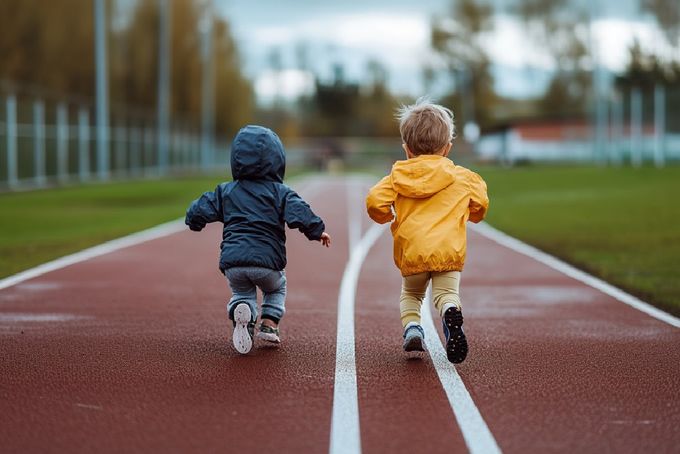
(130, 351)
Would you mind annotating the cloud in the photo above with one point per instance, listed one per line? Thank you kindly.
(286, 85)
(399, 38)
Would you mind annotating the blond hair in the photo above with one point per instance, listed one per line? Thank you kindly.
(425, 127)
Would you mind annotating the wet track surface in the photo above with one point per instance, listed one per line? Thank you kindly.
(131, 352)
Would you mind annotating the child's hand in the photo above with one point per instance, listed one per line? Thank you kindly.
(325, 239)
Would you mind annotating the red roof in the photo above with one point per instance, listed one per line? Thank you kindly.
(574, 130)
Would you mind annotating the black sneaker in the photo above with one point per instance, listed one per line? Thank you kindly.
(456, 343)
(414, 338)
(244, 328)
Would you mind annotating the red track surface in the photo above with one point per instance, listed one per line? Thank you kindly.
(130, 352)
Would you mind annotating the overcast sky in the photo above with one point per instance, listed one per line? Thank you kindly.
(396, 32)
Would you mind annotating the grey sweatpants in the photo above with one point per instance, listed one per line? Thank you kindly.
(244, 282)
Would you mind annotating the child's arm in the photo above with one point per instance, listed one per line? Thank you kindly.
(205, 209)
(379, 201)
(298, 215)
(479, 200)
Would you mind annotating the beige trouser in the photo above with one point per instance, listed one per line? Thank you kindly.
(445, 287)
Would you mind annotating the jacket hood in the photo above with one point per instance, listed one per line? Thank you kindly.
(423, 176)
(257, 154)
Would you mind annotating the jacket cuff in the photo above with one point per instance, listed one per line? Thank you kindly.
(315, 233)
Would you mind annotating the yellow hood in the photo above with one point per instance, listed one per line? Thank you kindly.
(423, 176)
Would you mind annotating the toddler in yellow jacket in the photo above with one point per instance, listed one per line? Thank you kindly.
(429, 199)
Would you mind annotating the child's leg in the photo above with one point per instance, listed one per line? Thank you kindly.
(242, 289)
(273, 286)
(445, 287)
(412, 294)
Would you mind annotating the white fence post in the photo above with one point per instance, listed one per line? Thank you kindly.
(121, 150)
(659, 125)
(616, 143)
(39, 142)
(135, 151)
(11, 125)
(636, 127)
(601, 128)
(62, 143)
(83, 144)
(198, 153)
(186, 150)
(147, 150)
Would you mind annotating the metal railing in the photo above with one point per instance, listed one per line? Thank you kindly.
(49, 144)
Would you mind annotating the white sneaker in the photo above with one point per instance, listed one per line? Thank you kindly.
(269, 334)
(243, 329)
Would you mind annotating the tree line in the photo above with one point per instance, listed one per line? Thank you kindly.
(48, 47)
(47, 51)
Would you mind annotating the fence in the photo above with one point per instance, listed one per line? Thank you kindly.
(632, 126)
(44, 143)
(510, 147)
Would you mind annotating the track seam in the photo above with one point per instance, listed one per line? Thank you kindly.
(553, 262)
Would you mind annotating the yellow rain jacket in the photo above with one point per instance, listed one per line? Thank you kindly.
(432, 199)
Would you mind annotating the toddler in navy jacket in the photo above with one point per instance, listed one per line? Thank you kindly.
(254, 209)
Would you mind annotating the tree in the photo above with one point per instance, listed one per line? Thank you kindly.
(644, 72)
(457, 40)
(667, 14)
(561, 30)
(233, 93)
(48, 45)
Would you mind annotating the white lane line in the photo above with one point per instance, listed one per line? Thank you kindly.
(476, 433)
(101, 249)
(133, 239)
(557, 264)
(345, 435)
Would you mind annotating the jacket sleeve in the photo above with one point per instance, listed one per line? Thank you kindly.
(205, 209)
(298, 215)
(479, 200)
(380, 200)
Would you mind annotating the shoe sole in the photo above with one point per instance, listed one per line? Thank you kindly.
(414, 344)
(243, 342)
(269, 337)
(456, 345)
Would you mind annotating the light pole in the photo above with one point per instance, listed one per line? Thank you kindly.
(163, 84)
(102, 93)
(208, 86)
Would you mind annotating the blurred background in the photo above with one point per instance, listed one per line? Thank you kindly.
(100, 89)
(123, 111)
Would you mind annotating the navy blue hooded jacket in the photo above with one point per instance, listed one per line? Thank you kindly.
(255, 207)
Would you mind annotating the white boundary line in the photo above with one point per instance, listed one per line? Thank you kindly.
(557, 264)
(158, 231)
(110, 246)
(476, 433)
(345, 434)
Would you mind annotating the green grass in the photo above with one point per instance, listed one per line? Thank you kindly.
(620, 224)
(39, 226)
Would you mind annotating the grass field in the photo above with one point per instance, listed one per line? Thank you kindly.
(42, 225)
(620, 224)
